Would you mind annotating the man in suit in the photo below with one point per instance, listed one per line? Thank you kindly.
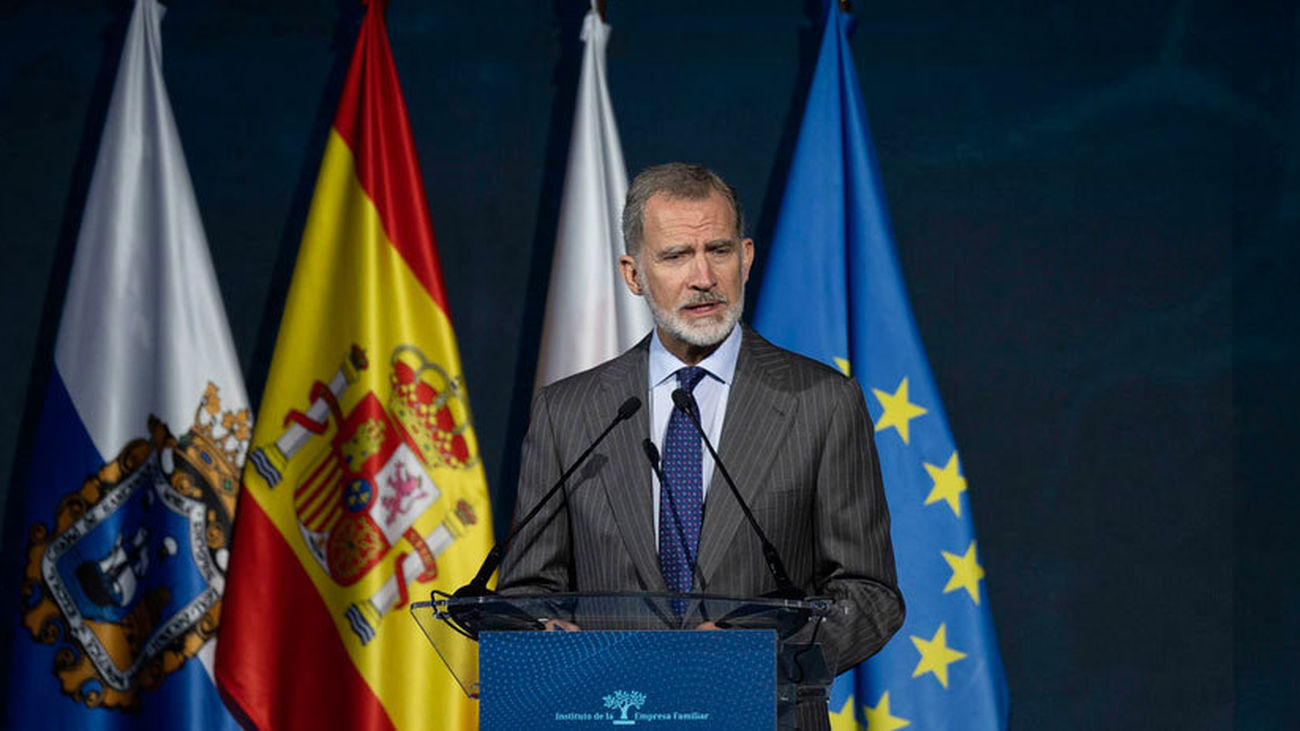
(794, 433)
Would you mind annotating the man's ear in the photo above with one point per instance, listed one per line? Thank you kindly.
(627, 267)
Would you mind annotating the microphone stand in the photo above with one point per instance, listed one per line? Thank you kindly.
(478, 586)
(785, 589)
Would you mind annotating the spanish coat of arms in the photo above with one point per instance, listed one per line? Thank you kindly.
(368, 475)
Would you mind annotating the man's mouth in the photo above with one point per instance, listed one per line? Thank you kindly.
(704, 307)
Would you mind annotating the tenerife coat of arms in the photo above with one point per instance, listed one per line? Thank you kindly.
(126, 583)
(367, 475)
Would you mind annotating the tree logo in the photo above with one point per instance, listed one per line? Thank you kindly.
(623, 700)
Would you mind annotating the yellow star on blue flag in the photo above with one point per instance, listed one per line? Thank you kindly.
(898, 411)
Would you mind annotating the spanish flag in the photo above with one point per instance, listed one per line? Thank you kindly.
(364, 489)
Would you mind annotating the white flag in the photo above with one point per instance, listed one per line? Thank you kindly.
(143, 328)
(135, 470)
(590, 315)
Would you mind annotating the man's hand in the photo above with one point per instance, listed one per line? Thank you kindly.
(560, 625)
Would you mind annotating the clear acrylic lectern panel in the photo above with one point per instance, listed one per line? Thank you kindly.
(452, 624)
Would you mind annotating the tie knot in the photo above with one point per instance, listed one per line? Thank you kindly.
(689, 376)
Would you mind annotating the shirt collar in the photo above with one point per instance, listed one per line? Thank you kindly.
(720, 364)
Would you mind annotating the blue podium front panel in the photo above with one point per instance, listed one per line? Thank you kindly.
(620, 679)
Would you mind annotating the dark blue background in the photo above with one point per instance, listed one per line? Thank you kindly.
(1096, 206)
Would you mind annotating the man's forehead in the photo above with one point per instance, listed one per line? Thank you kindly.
(666, 210)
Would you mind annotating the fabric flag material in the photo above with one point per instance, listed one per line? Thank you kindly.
(590, 314)
(834, 291)
(364, 489)
(135, 468)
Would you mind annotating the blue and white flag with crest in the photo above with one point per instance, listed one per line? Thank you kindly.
(135, 469)
(834, 291)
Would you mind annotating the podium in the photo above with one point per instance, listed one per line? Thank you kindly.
(585, 661)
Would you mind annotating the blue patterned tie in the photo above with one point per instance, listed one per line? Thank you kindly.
(680, 500)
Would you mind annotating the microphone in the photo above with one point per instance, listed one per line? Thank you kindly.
(478, 586)
(652, 454)
(785, 588)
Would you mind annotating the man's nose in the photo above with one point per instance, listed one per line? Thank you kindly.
(702, 276)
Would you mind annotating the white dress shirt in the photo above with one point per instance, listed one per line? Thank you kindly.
(710, 395)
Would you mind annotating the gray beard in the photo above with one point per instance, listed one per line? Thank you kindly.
(703, 336)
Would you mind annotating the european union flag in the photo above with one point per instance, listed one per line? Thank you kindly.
(834, 291)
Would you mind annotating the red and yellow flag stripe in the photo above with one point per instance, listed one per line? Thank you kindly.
(365, 381)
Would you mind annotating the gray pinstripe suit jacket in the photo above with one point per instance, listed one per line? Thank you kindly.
(798, 442)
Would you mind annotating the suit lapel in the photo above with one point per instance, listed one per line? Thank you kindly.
(758, 406)
(627, 478)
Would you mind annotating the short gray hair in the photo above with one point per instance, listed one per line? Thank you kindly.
(676, 180)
